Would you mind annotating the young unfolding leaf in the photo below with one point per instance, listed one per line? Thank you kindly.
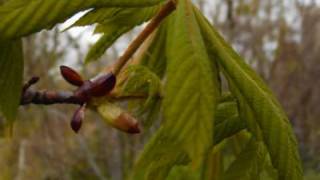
(191, 94)
(192, 86)
(11, 71)
(33, 15)
(142, 81)
(250, 89)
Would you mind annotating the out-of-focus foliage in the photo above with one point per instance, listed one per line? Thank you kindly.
(11, 65)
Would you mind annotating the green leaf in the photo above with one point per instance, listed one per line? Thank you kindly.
(107, 39)
(183, 173)
(190, 97)
(271, 119)
(113, 22)
(158, 157)
(23, 17)
(227, 121)
(142, 81)
(119, 16)
(191, 90)
(11, 71)
(248, 164)
(155, 57)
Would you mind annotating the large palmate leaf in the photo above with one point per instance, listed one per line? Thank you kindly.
(142, 80)
(22, 17)
(11, 70)
(190, 97)
(250, 89)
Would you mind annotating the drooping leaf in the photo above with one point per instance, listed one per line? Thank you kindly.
(23, 17)
(271, 119)
(11, 71)
(249, 162)
(190, 97)
(192, 87)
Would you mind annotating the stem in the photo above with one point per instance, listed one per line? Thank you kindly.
(167, 9)
(49, 97)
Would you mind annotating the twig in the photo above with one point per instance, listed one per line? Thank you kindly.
(44, 97)
(167, 9)
(31, 82)
(49, 97)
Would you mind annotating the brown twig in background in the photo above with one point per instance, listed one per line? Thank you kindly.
(167, 9)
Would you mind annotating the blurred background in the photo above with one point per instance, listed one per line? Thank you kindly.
(280, 39)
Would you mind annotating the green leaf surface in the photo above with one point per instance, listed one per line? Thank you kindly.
(271, 119)
(227, 121)
(11, 71)
(23, 17)
(155, 57)
(158, 157)
(142, 81)
(190, 97)
(191, 91)
(248, 164)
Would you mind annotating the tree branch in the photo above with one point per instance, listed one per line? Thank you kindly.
(45, 97)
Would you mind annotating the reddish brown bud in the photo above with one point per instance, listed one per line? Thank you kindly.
(83, 92)
(77, 118)
(127, 123)
(118, 118)
(71, 76)
(103, 85)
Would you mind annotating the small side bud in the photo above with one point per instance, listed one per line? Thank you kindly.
(71, 76)
(77, 118)
(103, 85)
(118, 118)
(127, 123)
